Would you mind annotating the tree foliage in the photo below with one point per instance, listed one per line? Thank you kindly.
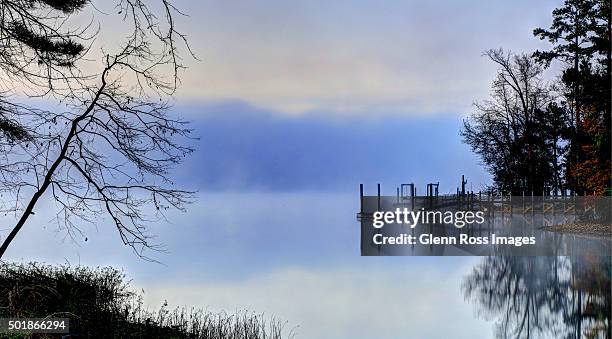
(580, 38)
(561, 139)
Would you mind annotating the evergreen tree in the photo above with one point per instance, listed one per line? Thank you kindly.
(30, 35)
(580, 35)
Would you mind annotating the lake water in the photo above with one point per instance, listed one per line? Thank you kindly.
(296, 256)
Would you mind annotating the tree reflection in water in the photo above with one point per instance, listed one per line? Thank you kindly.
(543, 297)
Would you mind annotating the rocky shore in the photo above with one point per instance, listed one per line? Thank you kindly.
(584, 228)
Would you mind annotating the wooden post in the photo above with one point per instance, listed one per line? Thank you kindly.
(575, 202)
(554, 201)
(378, 197)
(492, 204)
(412, 195)
(532, 207)
(428, 195)
(502, 205)
(361, 196)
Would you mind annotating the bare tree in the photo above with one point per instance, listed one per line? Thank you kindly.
(108, 144)
(515, 131)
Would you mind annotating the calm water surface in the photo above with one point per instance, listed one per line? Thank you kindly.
(296, 256)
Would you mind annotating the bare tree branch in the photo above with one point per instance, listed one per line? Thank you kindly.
(110, 150)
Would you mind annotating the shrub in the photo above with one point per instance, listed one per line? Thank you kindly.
(100, 303)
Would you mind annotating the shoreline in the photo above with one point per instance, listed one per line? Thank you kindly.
(593, 229)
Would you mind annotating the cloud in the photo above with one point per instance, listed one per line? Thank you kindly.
(340, 57)
(353, 57)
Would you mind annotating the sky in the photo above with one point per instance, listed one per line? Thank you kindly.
(354, 57)
(282, 93)
(344, 57)
(295, 104)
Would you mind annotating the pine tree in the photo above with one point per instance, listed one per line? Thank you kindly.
(30, 35)
(580, 36)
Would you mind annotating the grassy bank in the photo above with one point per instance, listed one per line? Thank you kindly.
(100, 303)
